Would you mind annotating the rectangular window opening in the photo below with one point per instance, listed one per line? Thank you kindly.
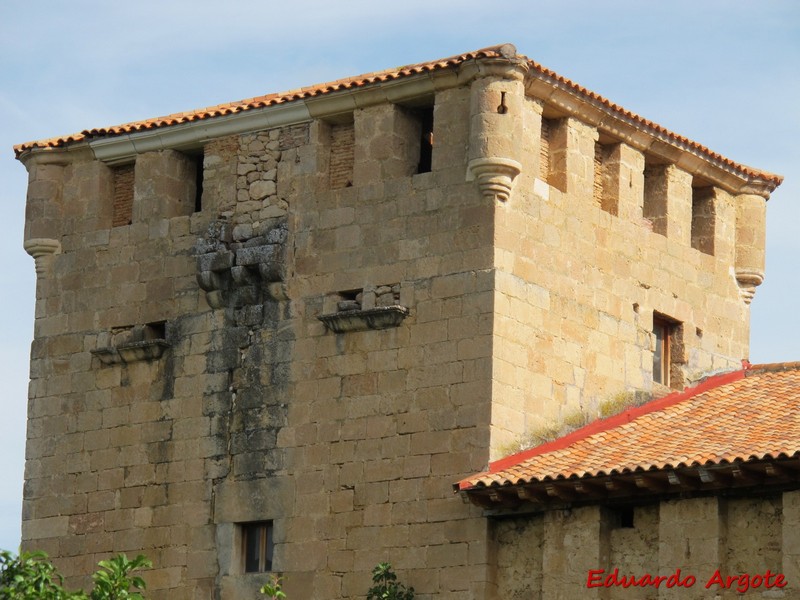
(425, 117)
(350, 300)
(156, 330)
(622, 517)
(257, 546)
(654, 207)
(603, 195)
(703, 219)
(123, 177)
(544, 150)
(667, 352)
(342, 155)
(198, 182)
(553, 153)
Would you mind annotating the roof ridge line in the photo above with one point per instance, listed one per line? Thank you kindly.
(626, 416)
(772, 368)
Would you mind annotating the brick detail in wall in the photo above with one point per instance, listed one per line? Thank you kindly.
(341, 163)
(544, 151)
(123, 195)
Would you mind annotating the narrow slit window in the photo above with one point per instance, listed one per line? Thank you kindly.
(661, 352)
(544, 150)
(198, 181)
(668, 352)
(425, 163)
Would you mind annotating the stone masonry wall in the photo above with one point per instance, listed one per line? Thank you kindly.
(381, 422)
(248, 409)
(577, 286)
(549, 555)
(125, 451)
(183, 384)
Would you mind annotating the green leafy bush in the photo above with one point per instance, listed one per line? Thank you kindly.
(273, 588)
(31, 576)
(386, 586)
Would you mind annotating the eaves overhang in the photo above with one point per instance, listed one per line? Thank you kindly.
(639, 486)
(405, 85)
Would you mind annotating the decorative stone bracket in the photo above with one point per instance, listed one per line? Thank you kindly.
(133, 352)
(42, 250)
(748, 282)
(132, 344)
(380, 317)
(238, 274)
(373, 307)
(494, 176)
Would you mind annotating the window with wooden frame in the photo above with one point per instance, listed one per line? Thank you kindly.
(257, 546)
(667, 352)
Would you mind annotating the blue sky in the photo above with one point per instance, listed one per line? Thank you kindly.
(725, 73)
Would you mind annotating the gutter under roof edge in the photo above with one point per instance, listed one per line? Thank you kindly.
(119, 149)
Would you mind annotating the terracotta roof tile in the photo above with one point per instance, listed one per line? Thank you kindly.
(746, 415)
(388, 75)
(260, 101)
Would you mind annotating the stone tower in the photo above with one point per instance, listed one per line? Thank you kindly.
(270, 335)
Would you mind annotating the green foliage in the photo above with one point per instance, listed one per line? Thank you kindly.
(575, 420)
(621, 402)
(31, 576)
(113, 581)
(273, 588)
(386, 586)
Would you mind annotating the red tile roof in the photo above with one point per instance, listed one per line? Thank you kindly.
(359, 81)
(230, 108)
(747, 415)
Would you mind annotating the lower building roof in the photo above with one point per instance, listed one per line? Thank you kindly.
(732, 431)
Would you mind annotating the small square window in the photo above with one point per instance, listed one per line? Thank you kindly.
(257, 546)
(622, 517)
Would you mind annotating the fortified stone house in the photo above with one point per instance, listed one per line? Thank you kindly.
(271, 335)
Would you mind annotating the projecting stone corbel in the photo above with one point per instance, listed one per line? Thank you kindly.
(380, 317)
(242, 273)
(132, 343)
(131, 352)
(748, 282)
(494, 176)
(42, 250)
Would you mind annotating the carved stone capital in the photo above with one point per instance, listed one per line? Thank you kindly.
(42, 251)
(509, 65)
(494, 176)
